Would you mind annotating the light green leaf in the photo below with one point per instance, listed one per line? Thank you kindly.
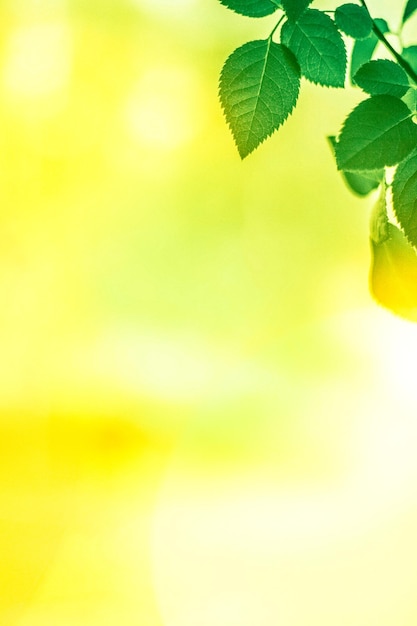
(410, 55)
(410, 8)
(259, 87)
(318, 47)
(393, 275)
(382, 77)
(354, 20)
(379, 226)
(361, 183)
(251, 8)
(364, 48)
(410, 99)
(379, 132)
(404, 197)
(294, 8)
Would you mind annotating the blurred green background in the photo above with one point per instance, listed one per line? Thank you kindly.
(205, 420)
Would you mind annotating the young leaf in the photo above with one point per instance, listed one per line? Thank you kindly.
(318, 47)
(364, 48)
(294, 8)
(404, 197)
(379, 132)
(410, 55)
(410, 7)
(393, 275)
(382, 77)
(259, 87)
(251, 8)
(361, 183)
(353, 20)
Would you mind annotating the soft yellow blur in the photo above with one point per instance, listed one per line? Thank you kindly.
(204, 419)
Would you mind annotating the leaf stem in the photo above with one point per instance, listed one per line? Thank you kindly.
(400, 60)
(276, 26)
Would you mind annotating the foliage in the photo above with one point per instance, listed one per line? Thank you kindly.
(259, 88)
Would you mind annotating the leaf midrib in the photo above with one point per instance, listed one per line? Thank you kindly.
(311, 39)
(258, 94)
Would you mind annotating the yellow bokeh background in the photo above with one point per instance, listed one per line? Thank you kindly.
(205, 420)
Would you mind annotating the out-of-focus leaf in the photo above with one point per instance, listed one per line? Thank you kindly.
(361, 183)
(410, 99)
(393, 274)
(410, 55)
(364, 48)
(410, 8)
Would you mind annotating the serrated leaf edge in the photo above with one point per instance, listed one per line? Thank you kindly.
(385, 61)
(343, 127)
(414, 245)
(316, 82)
(340, 28)
(289, 113)
(256, 17)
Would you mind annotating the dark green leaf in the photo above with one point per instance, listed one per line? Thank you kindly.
(259, 87)
(318, 47)
(382, 77)
(251, 8)
(404, 196)
(294, 8)
(354, 20)
(379, 132)
(393, 275)
(361, 183)
(410, 7)
(364, 48)
(410, 55)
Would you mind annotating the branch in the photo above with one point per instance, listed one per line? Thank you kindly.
(400, 60)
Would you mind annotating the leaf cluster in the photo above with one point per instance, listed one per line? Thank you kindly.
(259, 88)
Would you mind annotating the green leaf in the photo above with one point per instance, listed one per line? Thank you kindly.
(259, 87)
(251, 8)
(318, 47)
(294, 8)
(364, 48)
(410, 100)
(379, 132)
(410, 55)
(382, 77)
(410, 7)
(353, 20)
(393, 274)
(379, 227)
(404, 197)
(361, 183)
